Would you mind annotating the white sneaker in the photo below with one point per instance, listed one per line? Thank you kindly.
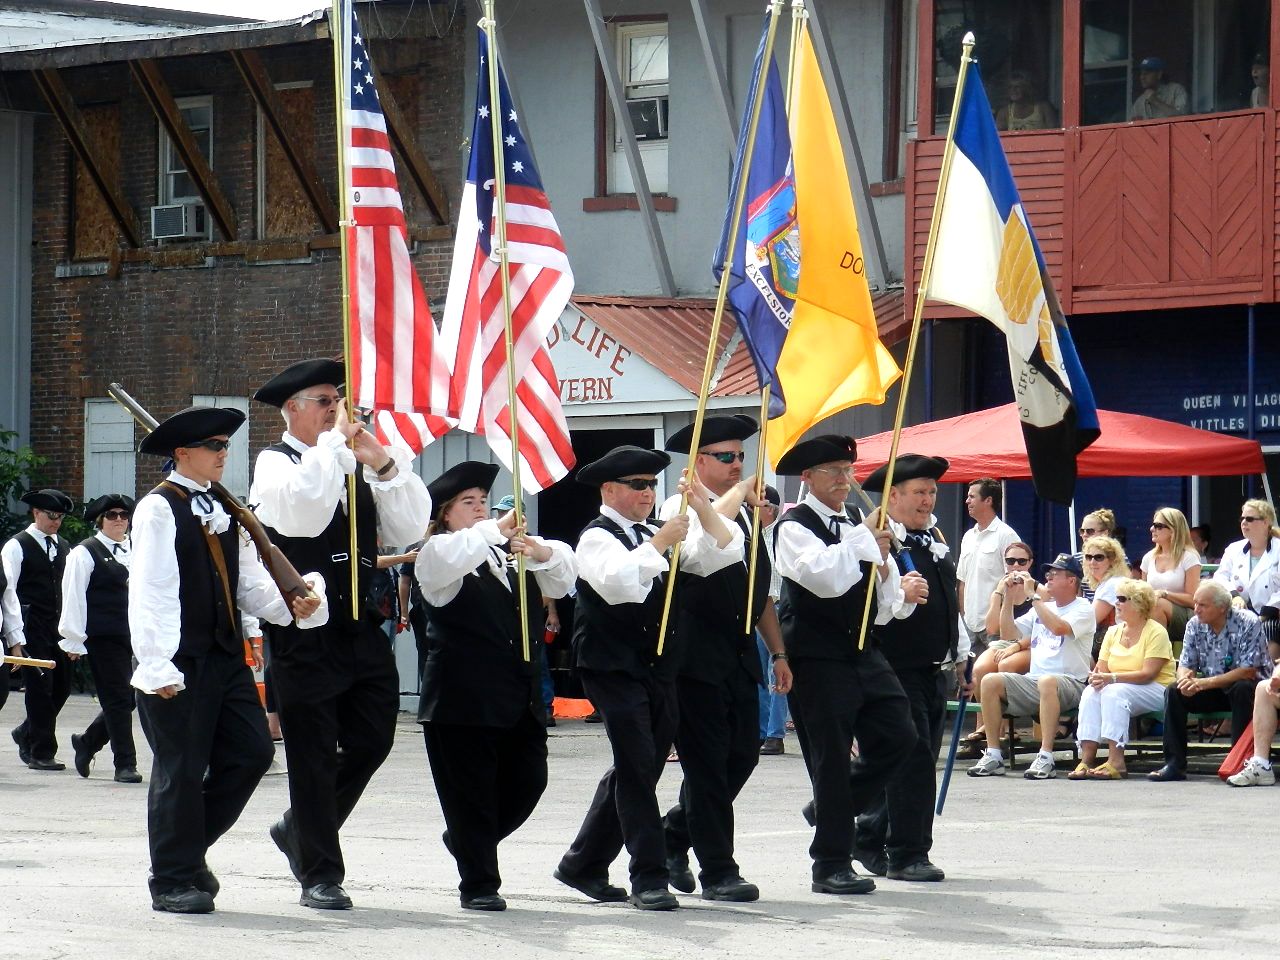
(1253, 774)
(1042, 768)
(990, 765)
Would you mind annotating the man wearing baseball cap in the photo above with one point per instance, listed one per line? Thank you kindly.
(1159, 97)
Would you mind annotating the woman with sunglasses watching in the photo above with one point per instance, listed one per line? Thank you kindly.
(1134, 667)
(95, 622)
(1250, 568)
(1104, 567)
(1172, 568)
(1100, 523)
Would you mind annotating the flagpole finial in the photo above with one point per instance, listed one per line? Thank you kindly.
(969, 39)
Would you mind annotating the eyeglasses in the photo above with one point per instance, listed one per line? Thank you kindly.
(725, 456)
(1088, 531)
(116, 515)
(639, 484)
(1095, 556)
(836, 471)
(324, 402)
(1250, 519)
(217, 446)
(52, 514)
(1016, 561)
(1157, 525)
(1121, 599)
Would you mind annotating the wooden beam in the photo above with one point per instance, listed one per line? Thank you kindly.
(298, 154)
(147, 73)
(77, 132)
(401, 133)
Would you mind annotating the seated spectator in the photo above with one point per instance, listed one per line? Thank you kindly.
(1250, 568)
(1223, 657)
(1160, 97)
(1260, 73)
(1104, 567)
(1100, 523)
(1257, 770)
(1172, 567)
(1134, 667)
(1201, 537)
(1058, 630)
(1025, 110)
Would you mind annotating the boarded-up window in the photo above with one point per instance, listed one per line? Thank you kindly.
(108, 449)
(286, 212)
(94, 234)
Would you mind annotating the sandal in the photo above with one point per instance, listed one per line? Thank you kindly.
(978, 736)
(1106, 771)
(1081, 772)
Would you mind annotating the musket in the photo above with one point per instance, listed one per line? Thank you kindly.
(287, 579)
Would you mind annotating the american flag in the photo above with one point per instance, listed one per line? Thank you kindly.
(541, 282)
(395, 365)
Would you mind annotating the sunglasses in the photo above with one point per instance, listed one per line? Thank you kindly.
(725, 456)
(638, 484)
(52, 514)
(1088, 531)
(1250, 519)
(1095, 556)
(1016, 561)
(217, 446)
(116, 515)
(1121, 599)
(324, 402)
(1159, 526)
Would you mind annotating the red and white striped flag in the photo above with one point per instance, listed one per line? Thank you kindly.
(395, 363)
(541, 281)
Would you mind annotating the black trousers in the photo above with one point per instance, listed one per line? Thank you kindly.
(833, 701)
(488, 779)
(718, 733)
(210, 747)
(1238, 698)
(640, 721)
(111, 663)
(900, 821)
(338, 696)
(46, 691)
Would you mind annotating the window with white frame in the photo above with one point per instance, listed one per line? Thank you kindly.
(235, 475)
(109, 461)
(642, 65)
(176, 184)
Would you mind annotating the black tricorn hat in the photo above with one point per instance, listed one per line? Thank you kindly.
(714, 430)
(297, 377)
(459, 477)
(827, 448)
(910, 466)
(187, 426)
(100, 505)
(623, 462)
(49, 499)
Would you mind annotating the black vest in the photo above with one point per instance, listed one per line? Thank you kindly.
(330, 554)
(107, 595)
(816, 628)
(932, 631)
(711, 632)
(624, 636)
(39, 586)
(474, 673)
(207, 622)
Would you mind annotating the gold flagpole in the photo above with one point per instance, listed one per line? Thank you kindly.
(500, 236)
(926, 270)
(798, 16)
(337, 30)
(708, 367)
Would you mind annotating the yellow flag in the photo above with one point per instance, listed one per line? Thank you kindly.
(832, 357)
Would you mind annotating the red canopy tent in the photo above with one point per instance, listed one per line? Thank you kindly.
(989, 444)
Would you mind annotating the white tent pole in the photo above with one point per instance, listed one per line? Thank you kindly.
(1004, 499)
(1266, 487)
(1071, 518)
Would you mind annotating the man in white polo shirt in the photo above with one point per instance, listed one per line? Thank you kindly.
(981, 565)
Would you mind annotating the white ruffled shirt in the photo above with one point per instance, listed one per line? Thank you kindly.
(75, 583)
(446, 559)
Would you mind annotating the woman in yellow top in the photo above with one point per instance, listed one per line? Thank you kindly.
(1134, 667)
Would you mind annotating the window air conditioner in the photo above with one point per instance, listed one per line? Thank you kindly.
(177, 221)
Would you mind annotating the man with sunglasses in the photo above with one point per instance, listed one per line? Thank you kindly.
(981, 565)
(623, 568)
(719, 679)
(337, 689)
(33, 562)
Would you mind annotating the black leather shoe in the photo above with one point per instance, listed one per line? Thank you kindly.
(733, 889)
(654, 900)
(51, 764)
(593, 717)
(843, 882)
(24, 753)
(84, 757)
(1166, 773)
(597, 888)
(182, 900)
(325, 896)
(206, 881)
(551, 721)
(809, 812)
(123, 775)
(922, 871)
(874, 860)
(280, 834)
(486, 901)
(678, 873)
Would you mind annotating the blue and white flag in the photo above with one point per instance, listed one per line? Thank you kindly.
(987, 260)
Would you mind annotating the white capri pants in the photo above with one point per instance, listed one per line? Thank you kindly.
(1104, 713)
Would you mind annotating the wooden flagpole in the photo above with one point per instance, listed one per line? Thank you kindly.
(708, 367)
(926, 270)
(488, 25)
(339, 17)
